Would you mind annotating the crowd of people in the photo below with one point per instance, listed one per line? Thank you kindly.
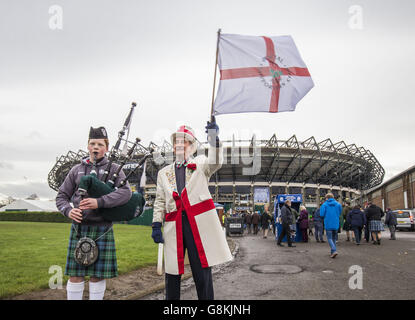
(255, 221)
(327, 221)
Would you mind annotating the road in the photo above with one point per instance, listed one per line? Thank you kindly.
(263, 271)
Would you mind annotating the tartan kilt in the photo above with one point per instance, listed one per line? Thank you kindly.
(376, 226)
(106, 264)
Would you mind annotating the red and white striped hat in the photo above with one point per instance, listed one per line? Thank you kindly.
(185, 131)
(188, 134)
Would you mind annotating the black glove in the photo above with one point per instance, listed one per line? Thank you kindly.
(212, 131)
(157, 235)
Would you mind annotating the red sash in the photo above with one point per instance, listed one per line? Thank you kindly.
(182, 203)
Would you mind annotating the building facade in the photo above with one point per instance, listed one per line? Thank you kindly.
(395, 193)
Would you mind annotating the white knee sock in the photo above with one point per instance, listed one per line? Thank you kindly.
(74, 290)
(97, 290)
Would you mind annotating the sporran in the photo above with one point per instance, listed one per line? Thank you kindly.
(86, 250)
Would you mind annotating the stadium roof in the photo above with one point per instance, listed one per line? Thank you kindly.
(265, 161)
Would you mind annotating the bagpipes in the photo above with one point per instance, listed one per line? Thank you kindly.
(95, 188)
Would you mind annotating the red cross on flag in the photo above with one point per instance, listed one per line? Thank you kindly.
(260, 74)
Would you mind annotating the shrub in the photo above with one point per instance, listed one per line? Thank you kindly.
(33, 216)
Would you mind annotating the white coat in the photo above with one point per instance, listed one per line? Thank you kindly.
(196, 200)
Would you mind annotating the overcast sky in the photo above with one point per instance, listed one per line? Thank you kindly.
(56, 83)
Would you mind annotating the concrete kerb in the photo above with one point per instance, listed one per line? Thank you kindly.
(161, 286)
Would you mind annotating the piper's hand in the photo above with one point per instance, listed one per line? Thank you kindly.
(76, 215)
(212, 131)
(89, 203)
(157, 235)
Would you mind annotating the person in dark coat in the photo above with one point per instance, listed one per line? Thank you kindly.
(265, 221)
(310, 224)
(293, 226)
(274, 222)
(356, 219)
(391, 221)
(255, 221)
(303, 221)
(367, 232)
(318, 225)
(346, 225)
(374, 216)
(286, 221)
(248, 221)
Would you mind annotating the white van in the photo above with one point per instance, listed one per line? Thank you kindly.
(405, 219)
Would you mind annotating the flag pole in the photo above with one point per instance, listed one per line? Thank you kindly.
(214, 77)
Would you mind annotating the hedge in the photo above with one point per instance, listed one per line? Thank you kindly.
(146, 219)
(33, 216)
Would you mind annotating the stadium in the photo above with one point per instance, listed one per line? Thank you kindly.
(255, 171)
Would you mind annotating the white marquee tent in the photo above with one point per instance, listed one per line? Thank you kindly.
(31, 206)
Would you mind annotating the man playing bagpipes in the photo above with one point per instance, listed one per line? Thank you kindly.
(183, 202)
(94, 256)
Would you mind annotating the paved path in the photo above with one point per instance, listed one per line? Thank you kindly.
(309, 272)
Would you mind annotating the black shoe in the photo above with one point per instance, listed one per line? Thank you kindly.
(280, 245)
(292, 246)
(374, 242)
(318, 240)
(322, 241)
(379, 242)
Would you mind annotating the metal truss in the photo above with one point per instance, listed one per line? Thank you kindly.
(287, 161)
(62, 167)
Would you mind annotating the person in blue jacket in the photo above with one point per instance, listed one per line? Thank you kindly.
(330, 211)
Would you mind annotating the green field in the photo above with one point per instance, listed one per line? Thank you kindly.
(28, 249)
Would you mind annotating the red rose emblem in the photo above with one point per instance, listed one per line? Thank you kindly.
(192, 166)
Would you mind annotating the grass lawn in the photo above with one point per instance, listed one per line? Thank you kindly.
(28, 249)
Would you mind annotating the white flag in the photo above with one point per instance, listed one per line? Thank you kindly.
(143, 176)
(260, 74)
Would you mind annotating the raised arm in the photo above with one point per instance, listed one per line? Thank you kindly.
(214, 160)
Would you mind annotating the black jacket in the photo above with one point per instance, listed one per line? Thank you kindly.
(248, 218)
(356, 218)
(373, 212)
(391, 218)
(265, 219)
(286, 215)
